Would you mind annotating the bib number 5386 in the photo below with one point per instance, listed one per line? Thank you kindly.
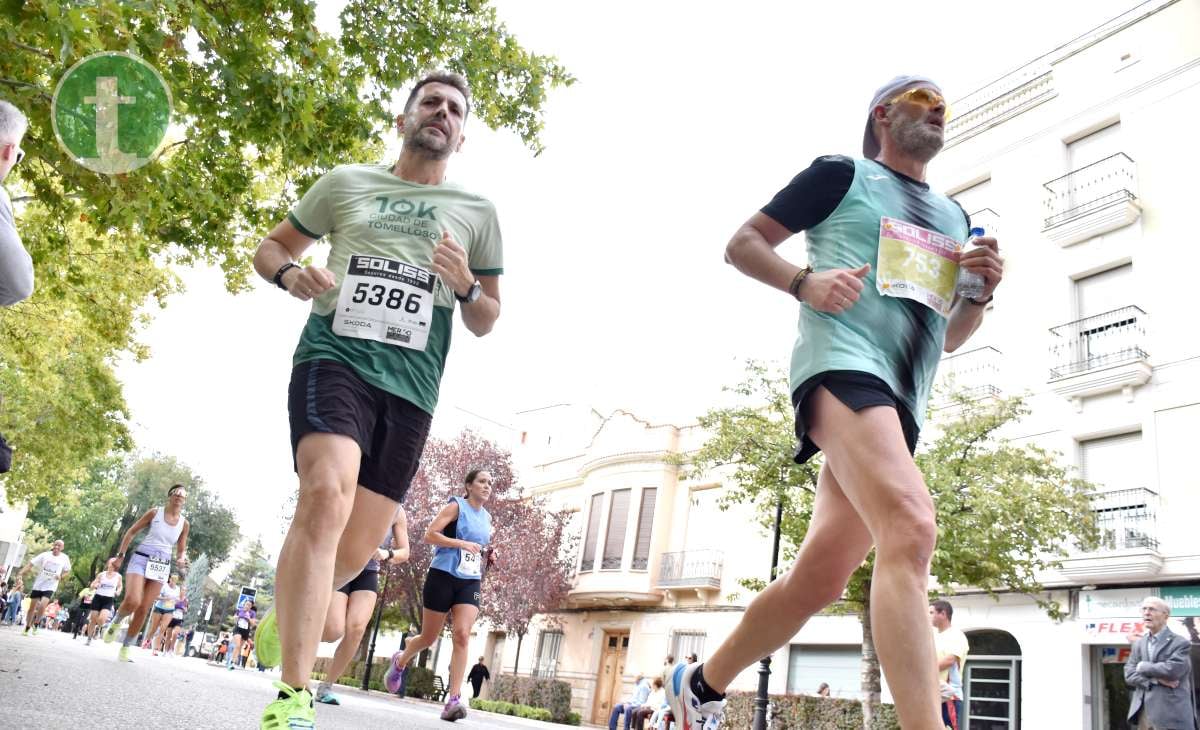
(392, 298)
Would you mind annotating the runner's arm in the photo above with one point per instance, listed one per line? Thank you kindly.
(752, 251)
(433, 534)
(284, 244)
(481, 315)
(966, 317)
(400, 537)
(142, 523)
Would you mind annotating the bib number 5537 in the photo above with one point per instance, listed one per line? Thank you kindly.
(392, 298)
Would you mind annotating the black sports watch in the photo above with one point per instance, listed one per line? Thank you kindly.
(472, 293)
(277, 280)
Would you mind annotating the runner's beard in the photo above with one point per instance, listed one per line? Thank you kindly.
(438, 149)
(918, 139)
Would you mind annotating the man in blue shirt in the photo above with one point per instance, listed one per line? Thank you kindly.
(641, 690)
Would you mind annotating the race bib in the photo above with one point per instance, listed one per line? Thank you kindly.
(158, 570)
(51, 572)
(469, 563)
(917, 263)
(386, 300)
(243, 623)
(178, 613)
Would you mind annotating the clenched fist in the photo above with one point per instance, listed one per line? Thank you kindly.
(833, 291)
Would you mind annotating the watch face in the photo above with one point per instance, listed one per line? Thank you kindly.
(474, 292)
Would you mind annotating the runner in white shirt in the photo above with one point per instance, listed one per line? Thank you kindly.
(150, 565)
(164, 610)
(107, 585)
(51, 566)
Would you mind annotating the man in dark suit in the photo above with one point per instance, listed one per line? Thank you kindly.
(1159, 671)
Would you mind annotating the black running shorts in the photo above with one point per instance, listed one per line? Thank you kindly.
(444, 591)
(244, 633)
(857, 390)
(326, 396)
(101, 603)
(368, 580)
(34, 595)
(175, 622)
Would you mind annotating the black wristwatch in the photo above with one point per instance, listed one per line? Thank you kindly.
(391, 554)
(472, 293)
(278, 278)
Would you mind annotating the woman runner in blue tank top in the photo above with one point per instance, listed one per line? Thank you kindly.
(459, 534)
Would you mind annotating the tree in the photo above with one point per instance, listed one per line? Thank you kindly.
(1005, 512)
(194, 591)
(264, 102)
(252, 569)
(525, 579)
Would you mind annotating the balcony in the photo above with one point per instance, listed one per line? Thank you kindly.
(1000, 101)
(973, 375)
(691, 570)
(612, 587)
(1128, 546)
(1100, 354)
(1092, 200)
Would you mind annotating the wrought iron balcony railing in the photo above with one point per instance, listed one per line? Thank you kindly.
(1089, 189)
(691, 568)
(1126, 519)
(1098, 341)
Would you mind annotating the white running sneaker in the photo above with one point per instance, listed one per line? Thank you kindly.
(689, 712)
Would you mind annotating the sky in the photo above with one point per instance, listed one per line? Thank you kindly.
(685, 119)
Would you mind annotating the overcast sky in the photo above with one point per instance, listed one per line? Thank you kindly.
(685, 119)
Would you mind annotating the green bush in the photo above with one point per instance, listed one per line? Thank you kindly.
(552, 694)
(573, 718)
(807, 712)
(354, 673)
(420, 683)
(508, 708)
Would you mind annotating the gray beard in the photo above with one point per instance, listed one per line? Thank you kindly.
(915, 140)
(424, 149)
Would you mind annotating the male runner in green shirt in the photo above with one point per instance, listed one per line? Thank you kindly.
(877, 310)
(406, 246)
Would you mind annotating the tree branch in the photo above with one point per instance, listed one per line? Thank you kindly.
(43, 53)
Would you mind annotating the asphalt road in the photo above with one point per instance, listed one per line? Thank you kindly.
(51, 681)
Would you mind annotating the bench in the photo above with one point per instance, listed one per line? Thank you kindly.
(439, 689)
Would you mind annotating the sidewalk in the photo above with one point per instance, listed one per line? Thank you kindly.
(473, 714)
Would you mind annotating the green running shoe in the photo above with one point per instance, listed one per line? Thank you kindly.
(110, 633)
(266, 640)
(123, 654)
(293, 712)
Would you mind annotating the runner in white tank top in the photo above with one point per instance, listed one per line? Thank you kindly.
(150, 565)
(107, 584)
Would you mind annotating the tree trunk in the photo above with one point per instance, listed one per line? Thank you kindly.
(517, 662)
(870, 664)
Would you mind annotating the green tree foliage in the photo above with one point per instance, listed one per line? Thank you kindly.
(264, 102)
(194, 590)
(251, 569)
(1005, 512)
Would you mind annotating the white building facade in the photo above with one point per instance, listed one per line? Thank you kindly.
(1080, 162)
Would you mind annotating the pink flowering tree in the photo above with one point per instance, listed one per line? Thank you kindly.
(529, 571)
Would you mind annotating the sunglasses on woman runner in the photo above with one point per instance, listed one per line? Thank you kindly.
(925, 97)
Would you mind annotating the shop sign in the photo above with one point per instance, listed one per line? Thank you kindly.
(1116, 603)
(1114, 655)
(1183, 600)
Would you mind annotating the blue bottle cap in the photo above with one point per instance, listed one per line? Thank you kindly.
(976, 232)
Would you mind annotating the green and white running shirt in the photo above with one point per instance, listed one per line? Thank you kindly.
(370, 213)
(849, 210)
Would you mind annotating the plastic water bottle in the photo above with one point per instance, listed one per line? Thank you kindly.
(970, 284)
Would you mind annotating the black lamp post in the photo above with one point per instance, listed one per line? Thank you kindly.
(761, 698)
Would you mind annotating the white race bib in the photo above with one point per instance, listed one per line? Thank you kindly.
(158, 570)
(917, 263)
(178, 613)
(243, 623)
(469, 563)
(386, 300)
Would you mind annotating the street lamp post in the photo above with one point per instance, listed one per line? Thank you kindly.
(761, 698)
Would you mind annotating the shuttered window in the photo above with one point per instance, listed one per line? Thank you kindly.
(618, 520)
(1113, 462)
(1103, 292)
(593, 534)
(641, 549)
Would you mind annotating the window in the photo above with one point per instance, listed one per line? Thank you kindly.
(687, 642)
(1113, 462)
(1094, 147)
(614, 541)
(593, 534)
(547, 656)
(1103, 292)
(810, 665)
(641, 548)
